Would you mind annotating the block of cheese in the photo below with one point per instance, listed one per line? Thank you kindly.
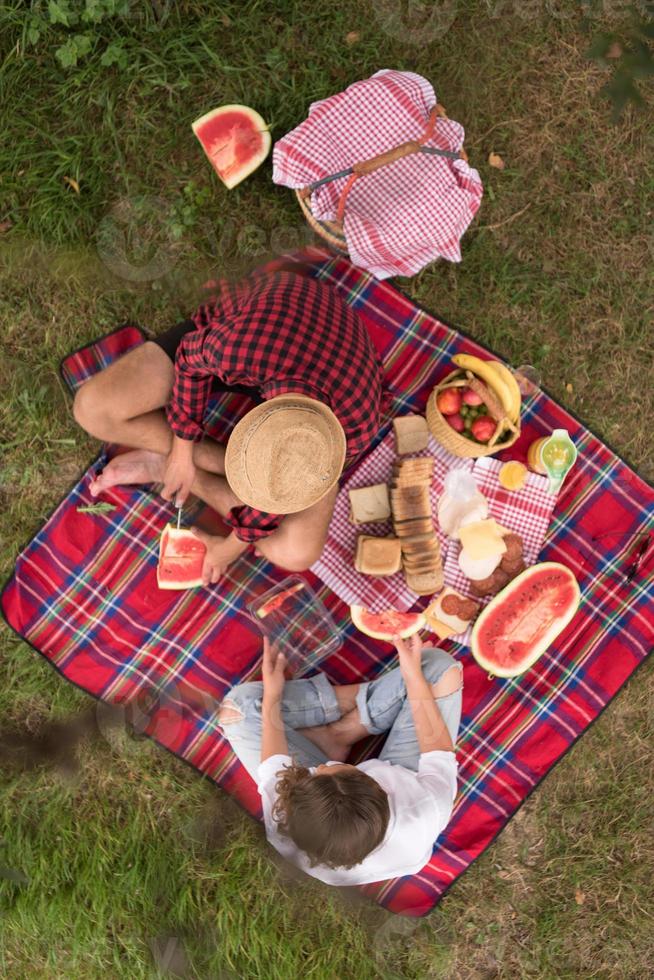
(482, 539)
(369, 504)
(411, 434)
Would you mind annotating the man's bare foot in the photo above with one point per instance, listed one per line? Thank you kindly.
(137, 466)
(328, 741)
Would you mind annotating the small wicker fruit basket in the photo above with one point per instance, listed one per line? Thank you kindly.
(455, 442)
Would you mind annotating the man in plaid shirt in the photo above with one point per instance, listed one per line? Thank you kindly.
(269, 335)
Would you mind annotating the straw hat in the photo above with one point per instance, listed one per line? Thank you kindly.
(285, 454)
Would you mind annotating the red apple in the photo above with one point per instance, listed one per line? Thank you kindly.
(456, 422)
(483, 428)
(471, 397)
(449, 401)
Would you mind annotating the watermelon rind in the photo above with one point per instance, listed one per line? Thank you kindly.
(417, 621)
(170, 532)
(258, 124)
(544, 643)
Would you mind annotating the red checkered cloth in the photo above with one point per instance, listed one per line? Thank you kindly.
(84, 594)
(405, 215)
(527, 512)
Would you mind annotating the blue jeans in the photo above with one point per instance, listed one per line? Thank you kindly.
(382, 704)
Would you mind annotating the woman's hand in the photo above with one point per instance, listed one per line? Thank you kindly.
(273, 735)
(221, 552)
(180, 472)
(410, 655)
(272, 672)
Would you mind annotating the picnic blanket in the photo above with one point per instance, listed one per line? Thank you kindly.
(84, 595)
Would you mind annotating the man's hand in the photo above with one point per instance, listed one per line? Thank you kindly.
(221, 552)
(410, 655)
(180, 472)
(272, 672)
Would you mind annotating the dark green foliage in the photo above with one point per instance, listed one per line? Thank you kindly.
(630, 53)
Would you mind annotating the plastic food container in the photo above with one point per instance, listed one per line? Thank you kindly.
(293, 617)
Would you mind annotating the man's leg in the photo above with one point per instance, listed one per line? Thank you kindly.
(125, 404)
(300, 539)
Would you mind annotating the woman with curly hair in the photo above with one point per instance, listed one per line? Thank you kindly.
(352, 824)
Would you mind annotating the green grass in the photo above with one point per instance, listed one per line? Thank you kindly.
(119, 854)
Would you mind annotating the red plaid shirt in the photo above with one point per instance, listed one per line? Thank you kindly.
(281, 333)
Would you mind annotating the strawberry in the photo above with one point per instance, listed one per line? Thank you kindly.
(448, 401)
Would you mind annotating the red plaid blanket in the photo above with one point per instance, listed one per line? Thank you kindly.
(84, 595)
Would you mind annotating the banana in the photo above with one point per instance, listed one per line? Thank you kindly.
(486, 371)
(503, 372)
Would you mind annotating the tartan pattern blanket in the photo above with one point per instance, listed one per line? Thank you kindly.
(84, 595)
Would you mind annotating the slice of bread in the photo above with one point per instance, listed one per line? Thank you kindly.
(411, 434)
(413, 526)
(378, 556)
(416, 466)
(369, 504)
(425, 583)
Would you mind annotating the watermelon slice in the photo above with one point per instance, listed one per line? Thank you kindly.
(278, 600)
(181, 556)
(520, 623)
(386, 625)
(235, 139)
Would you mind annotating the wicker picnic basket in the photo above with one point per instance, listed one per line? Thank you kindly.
(453, 441)
(332, 231)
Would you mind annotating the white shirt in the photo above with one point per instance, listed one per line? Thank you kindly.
(420, 804)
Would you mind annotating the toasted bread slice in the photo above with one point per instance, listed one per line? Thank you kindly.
(427, 545)
(417, 500)
(411, 493)
(428, 558)
(418, 542)
(425, 583)
(431, 558)
(416, 464)
(414, 526)
(377, 556)
(410, 571)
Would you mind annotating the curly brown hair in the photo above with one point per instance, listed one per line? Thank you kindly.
(337, 820)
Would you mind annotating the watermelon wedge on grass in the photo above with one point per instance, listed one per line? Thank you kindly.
(181, 556)
(235, 139)
(388, 624)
